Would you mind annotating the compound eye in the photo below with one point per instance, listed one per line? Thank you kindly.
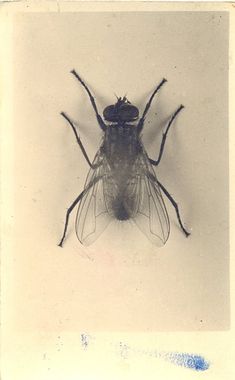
(129, 113)
(110, 113)
(124, 112)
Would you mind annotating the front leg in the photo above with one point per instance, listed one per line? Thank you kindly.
(92, 100)
(141, 121)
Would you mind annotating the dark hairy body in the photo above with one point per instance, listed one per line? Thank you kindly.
(121, 148)
(121, 183)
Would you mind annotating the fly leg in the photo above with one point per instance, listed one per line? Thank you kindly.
(156, 162)
(141, 121)
(175, 206)
(70, 209)
(92, 99)
(78, 139)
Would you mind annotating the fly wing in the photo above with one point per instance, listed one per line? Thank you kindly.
(92, 216)
(149, 212)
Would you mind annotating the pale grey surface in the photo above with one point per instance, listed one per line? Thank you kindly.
(128, 284)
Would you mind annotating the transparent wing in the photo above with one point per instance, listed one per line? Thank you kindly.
(142, 199)
(92, 216)
(149, 212)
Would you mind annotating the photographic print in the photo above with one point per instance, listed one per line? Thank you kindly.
(116, 155)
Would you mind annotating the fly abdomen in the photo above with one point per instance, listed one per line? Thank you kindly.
(120, 209)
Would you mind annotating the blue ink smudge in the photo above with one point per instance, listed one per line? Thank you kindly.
(192, 361)
(183, 359)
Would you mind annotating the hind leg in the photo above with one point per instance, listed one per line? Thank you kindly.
(175, 207)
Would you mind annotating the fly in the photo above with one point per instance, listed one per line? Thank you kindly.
(121, 183)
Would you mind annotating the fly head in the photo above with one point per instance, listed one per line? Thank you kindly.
(121, 111)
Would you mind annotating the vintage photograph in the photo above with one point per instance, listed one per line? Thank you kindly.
(120, 171)
(109, 100)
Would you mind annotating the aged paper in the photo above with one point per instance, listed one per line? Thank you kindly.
(121, 306)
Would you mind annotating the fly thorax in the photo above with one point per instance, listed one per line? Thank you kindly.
(121, 142)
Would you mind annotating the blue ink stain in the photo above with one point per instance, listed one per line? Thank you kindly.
(192, 361)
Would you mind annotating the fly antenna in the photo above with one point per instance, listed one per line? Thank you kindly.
(116, 96)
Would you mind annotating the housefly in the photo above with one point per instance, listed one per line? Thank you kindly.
(122, 183)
